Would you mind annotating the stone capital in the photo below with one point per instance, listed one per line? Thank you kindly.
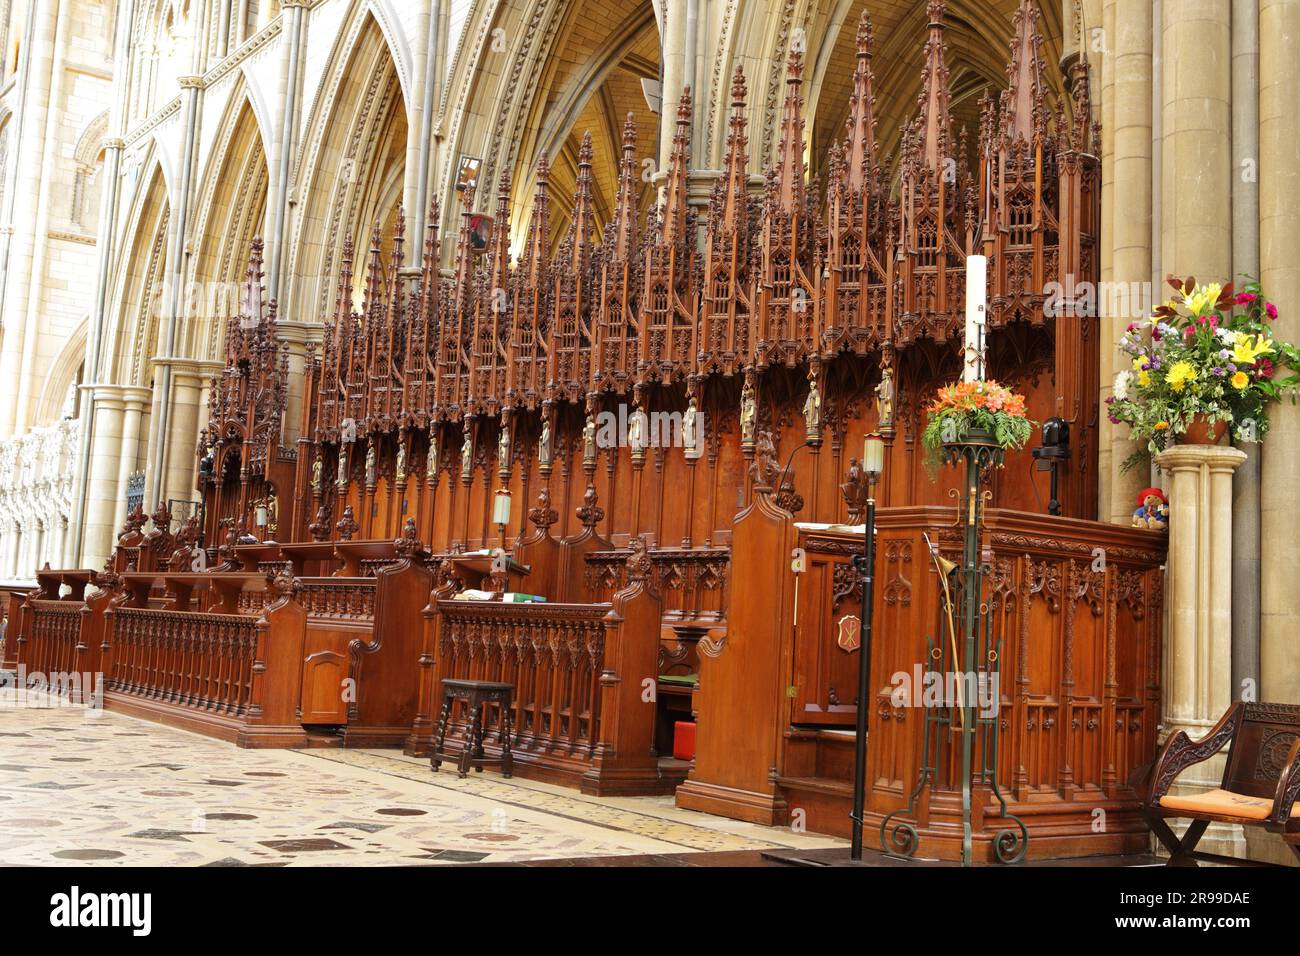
(1214, 458)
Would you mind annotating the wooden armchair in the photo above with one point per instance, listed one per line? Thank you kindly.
(1261, 781)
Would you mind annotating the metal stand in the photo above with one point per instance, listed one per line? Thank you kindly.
(973, 657)
(866, 565)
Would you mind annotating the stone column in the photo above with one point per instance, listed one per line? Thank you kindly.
(1097, 15)
(21, 203)
(282, 168)
(1131, 205)
(1279, 236)
(134, 400)
(178, 227)
(187, 389)
(420, 152)
(105, 451)
(1196, 179)
(1198, 645)
(673, 30)
(1245, 261)
(8, 550)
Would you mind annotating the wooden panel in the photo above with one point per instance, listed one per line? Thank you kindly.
(325, 671)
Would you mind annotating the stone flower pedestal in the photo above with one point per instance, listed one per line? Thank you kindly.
(1198, 647)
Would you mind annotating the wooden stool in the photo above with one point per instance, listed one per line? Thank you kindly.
(475, 694)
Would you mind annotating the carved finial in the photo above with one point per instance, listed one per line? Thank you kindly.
(320, 527)
(790, 170)
(855, 491)
(638, 561)
(674, 220)
(347, 525)
(282, 584)
(543, 516)
(590, 513)
(934, 119)
(162, 519)
(408, 545)
(765, 471)
(861, 147)
(578, 237)
(625, 212)
(1024, 112)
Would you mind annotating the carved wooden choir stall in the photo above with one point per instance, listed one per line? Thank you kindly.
(663, 403)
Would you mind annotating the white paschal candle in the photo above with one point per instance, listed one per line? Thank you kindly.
(977, 275)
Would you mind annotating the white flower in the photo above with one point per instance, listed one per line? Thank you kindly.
(1226, 336)
(1121, 385)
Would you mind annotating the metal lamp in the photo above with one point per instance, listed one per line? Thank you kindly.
(873, 465)
(501, 512)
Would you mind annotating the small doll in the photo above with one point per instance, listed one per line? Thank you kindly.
(1152, 511)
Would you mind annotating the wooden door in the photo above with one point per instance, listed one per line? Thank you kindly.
(326, 690)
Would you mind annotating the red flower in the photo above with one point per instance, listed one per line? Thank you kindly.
(1271, 310)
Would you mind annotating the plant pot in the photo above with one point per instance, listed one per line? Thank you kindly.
(1202, 431)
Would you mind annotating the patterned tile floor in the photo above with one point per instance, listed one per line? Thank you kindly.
(93, 787)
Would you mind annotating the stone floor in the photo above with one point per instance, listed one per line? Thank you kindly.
(80, 786)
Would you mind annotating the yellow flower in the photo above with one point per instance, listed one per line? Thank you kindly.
(1245, 352)
(1140, 363)
(1204, 297)
(1240, 380)
(1161, 426)
(1180, 374)
(1144, 378)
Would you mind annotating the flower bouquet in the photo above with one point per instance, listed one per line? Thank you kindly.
(974, 410)
(1210, 363)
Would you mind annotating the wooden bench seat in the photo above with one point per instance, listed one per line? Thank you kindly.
(1260, 787)
(1221, 804)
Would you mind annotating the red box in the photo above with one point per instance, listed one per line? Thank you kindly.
(684, 740)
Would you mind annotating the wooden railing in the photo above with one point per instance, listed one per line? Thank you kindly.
(198, 660)
(57, 632)
(582, 714)
(53, 633)
(224, 657)
(553, 655)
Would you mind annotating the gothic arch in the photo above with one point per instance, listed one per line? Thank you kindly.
(133, 334)
(354, 147)
(558, 75)
(231, 212)
(89, 157)
(66, 372)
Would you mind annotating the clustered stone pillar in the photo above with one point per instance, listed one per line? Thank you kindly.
(1198, 644)
(1279, 239)
(1279, 234)
(103, 486)
(1130, 233)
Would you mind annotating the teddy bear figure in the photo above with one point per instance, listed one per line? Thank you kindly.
(1152, 511)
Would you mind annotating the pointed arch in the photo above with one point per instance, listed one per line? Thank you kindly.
(563, 75)
(141, 271)
(354, 149)
(231, 212)
(66, 372)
